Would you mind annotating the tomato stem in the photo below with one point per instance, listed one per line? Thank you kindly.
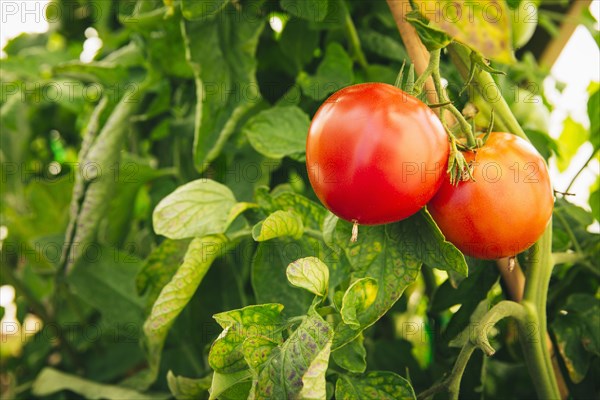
(481, 82)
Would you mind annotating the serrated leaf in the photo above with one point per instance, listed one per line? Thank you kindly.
(333, 73)
(385, 254)
(50, 381)
(312, 10)
(279, 132)
(379, 385)
(433, 249)
(284, 374)
(309, 273)
(187, 388)
(226, 354)
(198, 208)
(352, 356)
(484, 26)
(177, 293)
(221, 52)
(278, 224)
(358, 298)
(231, 386)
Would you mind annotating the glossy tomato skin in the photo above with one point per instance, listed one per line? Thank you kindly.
(375, 154)
(506, 209)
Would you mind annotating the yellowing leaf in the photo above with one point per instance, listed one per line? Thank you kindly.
(482, 25)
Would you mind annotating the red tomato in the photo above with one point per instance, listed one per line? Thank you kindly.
(375, 154)
(506, 209)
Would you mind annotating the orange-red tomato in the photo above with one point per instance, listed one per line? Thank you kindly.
(375, 154)
(505, 209)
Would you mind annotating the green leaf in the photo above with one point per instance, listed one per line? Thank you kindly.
(572, 137)
(312, 10)
(231, 386)
(298, 42)
(94, 185)
(221, 52)
(226, 354)
(159, 268)
(577, 331)
(380, 385)
(352, 356)
(178, 292)
(278, 224)
(198, 208)
(50, 381)
(432, 247)
(257, 350)
(356, 301)
(131, 175)
(431, 37)
(382, 45)
(187, 388)
(543, 143)
(385, 253)
(334, 73)
(201, 9)
(299, 365)
(309, 273)
(484, 26)
(104, 277)
(311, 213)
(314, 385)
(269, 279)
(279, 132)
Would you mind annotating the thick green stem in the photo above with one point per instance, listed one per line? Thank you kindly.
(482, 82)
(537, 280)
(459, 369)
(437, 81)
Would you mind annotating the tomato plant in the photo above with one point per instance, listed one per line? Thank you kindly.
(375, 154)
(505, 208)
(162, 237)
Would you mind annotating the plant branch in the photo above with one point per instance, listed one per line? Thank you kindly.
(479, 339)
(353, 37)
(434, 67)
(583, 167)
